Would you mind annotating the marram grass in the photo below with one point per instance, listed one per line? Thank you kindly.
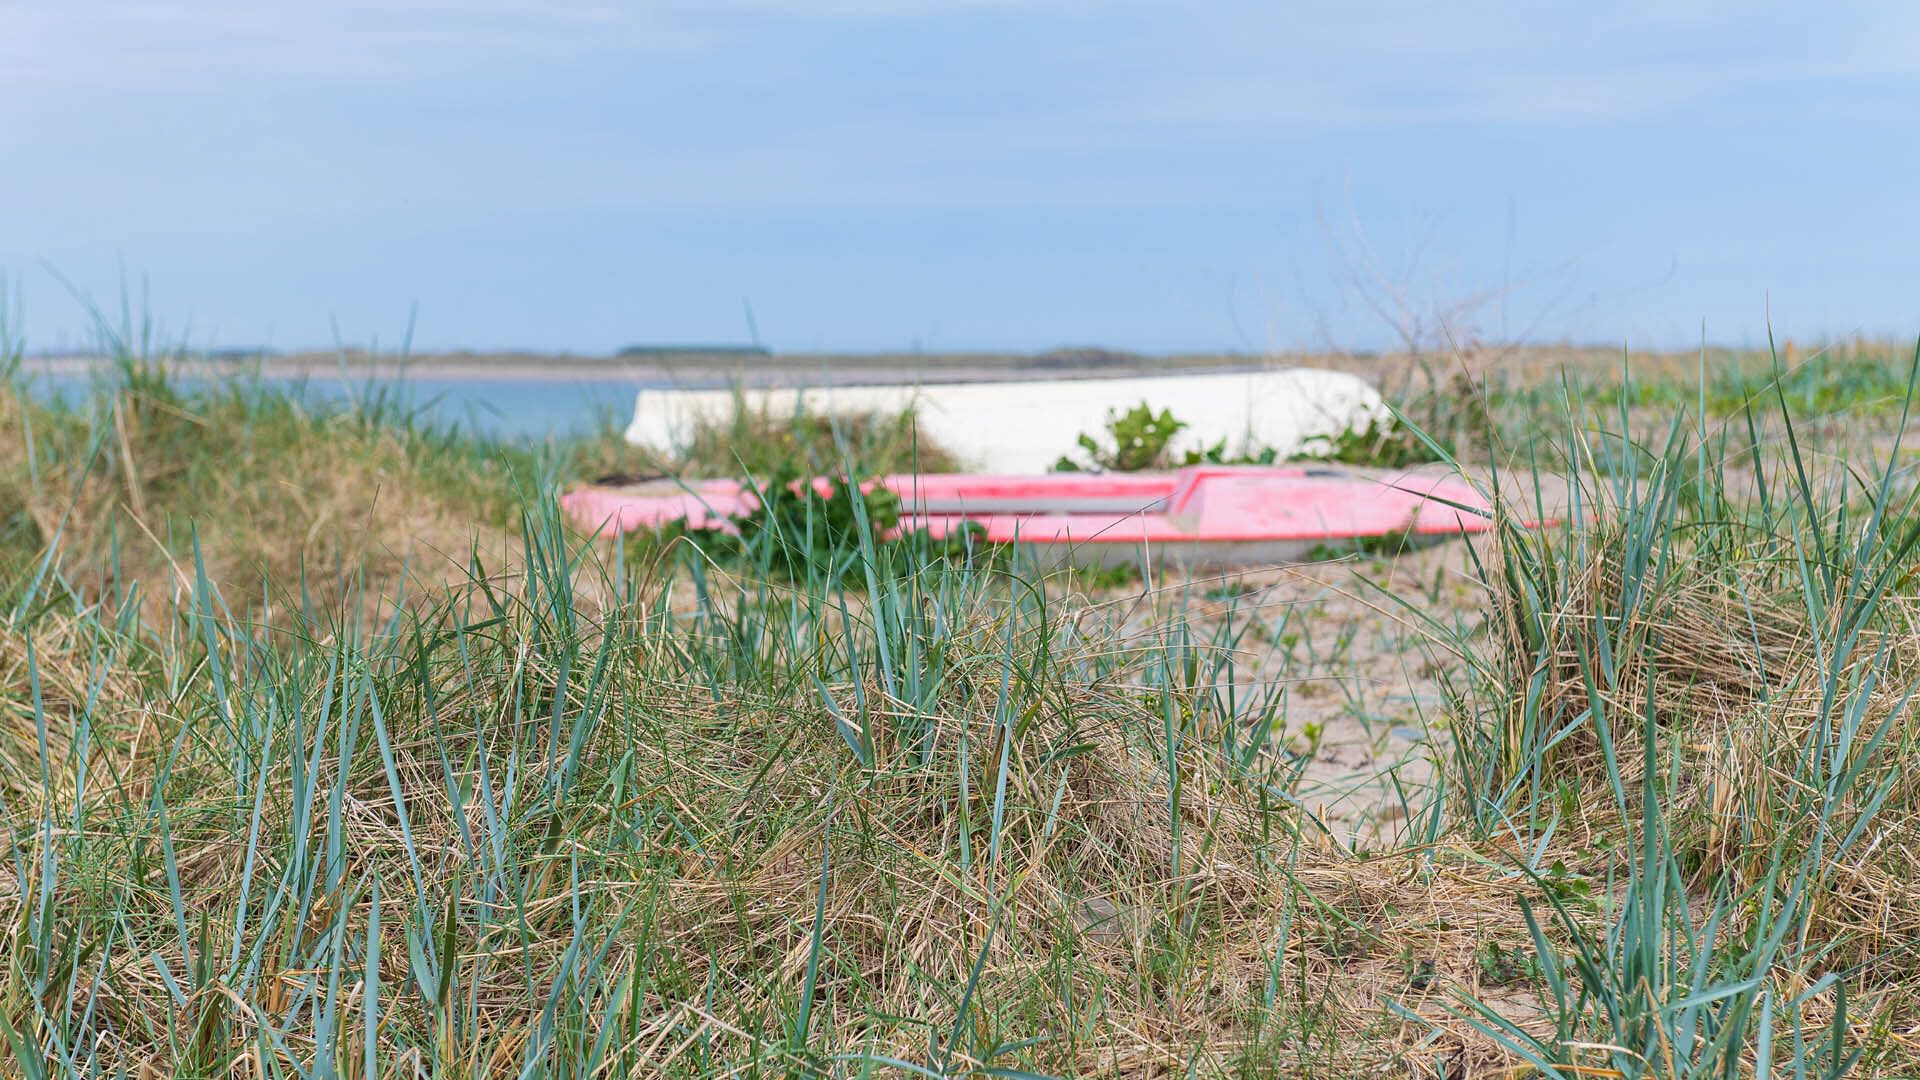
(289, 792)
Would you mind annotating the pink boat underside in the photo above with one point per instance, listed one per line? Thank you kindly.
(1203, 516)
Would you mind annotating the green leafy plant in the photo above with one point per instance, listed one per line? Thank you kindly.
(1136, 440)
(1217, 454)
(1384, 443)
(1141, 439)
(830, 528)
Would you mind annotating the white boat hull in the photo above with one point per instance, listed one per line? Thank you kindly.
(1025, 427)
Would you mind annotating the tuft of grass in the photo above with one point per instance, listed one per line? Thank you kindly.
(1702, 678)
(285, 494)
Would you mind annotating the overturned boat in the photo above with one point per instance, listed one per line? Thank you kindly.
(1204, 517)
(1025, 426)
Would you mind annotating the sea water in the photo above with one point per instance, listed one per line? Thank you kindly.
(502, 408)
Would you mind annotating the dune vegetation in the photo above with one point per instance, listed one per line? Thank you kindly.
(329, 748)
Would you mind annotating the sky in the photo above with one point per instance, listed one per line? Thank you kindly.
(970, 174)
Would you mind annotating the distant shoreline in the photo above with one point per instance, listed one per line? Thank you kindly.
(692, 370)
(815, 369)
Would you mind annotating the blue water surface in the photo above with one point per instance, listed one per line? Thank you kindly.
(502, 408)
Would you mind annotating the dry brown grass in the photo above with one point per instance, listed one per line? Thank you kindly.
(278, 500)
(48, 672)
(1090, 897)
(1705, 623)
